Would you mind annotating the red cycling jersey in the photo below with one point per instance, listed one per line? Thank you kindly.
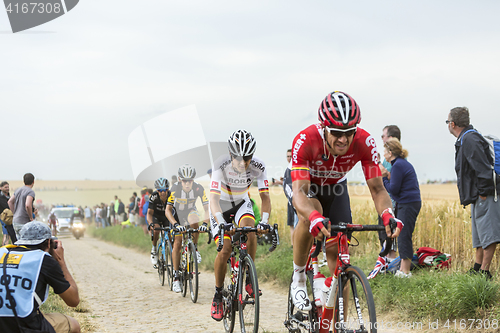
(307, 157)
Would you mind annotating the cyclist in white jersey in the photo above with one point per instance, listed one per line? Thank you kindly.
(231, 179)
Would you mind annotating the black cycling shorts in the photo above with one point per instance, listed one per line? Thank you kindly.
(334, 200)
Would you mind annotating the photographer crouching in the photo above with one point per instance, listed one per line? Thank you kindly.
(32, 265)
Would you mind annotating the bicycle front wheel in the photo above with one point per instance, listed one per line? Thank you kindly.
(192, 273)
(169, 264)
(298, 321)
(161, 263)
(248, 301)
(359, 308)
(184, 269)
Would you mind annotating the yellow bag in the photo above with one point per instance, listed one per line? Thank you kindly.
(7, 216)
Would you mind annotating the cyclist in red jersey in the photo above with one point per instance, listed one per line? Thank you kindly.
(322, 155)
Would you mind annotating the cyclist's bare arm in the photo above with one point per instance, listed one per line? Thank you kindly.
(215, 205)
(150, 216)
(303, 205)
(266, 202)
(205, 207)
(169, 215)
(382, 200)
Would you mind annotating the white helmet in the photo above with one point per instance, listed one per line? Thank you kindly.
(186, 172)
(241, 143)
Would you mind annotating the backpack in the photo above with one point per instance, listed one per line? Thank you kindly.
(494, 144)
(429, 257)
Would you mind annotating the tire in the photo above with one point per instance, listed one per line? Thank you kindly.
(184, 268)
(357, 286)
(169, 264)
(161, 264)
(192, 273)
(249, 305)
(229, 301)
(310, 322)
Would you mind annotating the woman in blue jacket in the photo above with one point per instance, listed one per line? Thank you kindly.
(402, 184)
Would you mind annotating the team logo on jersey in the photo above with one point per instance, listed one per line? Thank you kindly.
(370, 142)
(257, 165)
(215, 185)
(233, 173)
(319, 162)
(266, 183)
(296, 147)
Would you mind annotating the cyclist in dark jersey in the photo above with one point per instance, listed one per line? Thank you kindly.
(322, 155)
(156, 213)
(181, 212)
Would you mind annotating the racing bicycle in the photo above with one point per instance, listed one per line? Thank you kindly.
(241, 288)
(349, 304)
(189, 264)
(165, 264)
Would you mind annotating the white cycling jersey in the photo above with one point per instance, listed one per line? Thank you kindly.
(233, 186)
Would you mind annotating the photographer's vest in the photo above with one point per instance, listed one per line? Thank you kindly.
(23, 270)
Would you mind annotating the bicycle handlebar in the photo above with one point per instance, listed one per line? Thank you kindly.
(346, 227)
(273, 229)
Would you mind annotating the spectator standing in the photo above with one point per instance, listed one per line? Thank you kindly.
(8, 229)
(21, 203)
(116, 205)
(104, 215)
(97, 211)
(121, 211)
(142, 217)
(476, 186)
(389, 131)
(111, 214)
(136, 204)
(88, 215)
(174, 180)
(44, 263)
(131, 210)
(403, 187)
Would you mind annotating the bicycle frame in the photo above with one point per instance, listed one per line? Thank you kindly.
(325, 314)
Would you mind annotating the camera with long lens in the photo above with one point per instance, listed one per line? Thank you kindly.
(54, 244)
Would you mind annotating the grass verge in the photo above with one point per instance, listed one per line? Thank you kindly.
(81, 313)
(427, 295)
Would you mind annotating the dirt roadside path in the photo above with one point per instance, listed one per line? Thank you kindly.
(122, 291)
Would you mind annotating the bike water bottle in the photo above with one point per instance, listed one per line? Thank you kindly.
(327, 287)
(318, 283)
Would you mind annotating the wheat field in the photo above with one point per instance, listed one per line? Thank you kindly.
(442, 222)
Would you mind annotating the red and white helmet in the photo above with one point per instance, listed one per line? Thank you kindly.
(339, 109)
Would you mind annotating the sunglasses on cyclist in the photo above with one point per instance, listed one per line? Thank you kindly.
(339, 132)
(162, 190)
(244, 158)
(187, 180)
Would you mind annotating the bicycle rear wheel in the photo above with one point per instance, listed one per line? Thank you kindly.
(229, 301)
(161, 263)
(192, 273)
(248, 304)
(359, 313)
(298, 321)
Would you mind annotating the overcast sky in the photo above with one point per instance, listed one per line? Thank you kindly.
(72, 90)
